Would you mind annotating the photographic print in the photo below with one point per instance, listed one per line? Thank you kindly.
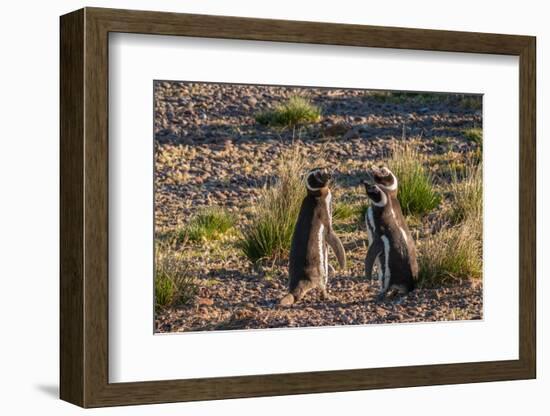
(287, 206)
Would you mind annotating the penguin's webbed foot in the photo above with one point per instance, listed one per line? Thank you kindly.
(325, 295)
(380, 297)
(399, 300)
(287, 300)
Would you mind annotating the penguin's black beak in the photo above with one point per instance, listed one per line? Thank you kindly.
(370, 187)
(367, 185)
(369, 179)
(325, 176)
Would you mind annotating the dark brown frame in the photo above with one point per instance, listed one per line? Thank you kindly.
(84, 207)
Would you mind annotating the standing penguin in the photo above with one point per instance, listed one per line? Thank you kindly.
(392, 242)
(313, 233)
(386, 180)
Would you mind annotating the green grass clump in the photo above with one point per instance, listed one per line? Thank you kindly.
(441, 140)
(451, 254)
(414, 98)
(466, 190)
(174, 283)
(207, 225)
(362, 211)
(417, 194)
(474, 134)
(295, 111)
(269, 234)
(471, 102)
(342, 211)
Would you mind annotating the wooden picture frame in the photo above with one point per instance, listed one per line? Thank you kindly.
(84, 207)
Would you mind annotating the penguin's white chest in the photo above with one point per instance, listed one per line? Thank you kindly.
(323, 253)
(371, 230)
(328, 207)
(369, 222)
(387, 270)
(323, 249)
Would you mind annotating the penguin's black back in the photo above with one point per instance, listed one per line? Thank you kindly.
(302, 231)
(304, 256)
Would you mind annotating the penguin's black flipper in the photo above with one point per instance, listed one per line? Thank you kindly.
(336, 245)
(375, 249)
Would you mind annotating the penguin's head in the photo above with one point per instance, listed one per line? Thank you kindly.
(383, 177)
(317, 178)
(375, 194)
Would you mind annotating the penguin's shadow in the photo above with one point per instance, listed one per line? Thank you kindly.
(322, 305)
(230, 274)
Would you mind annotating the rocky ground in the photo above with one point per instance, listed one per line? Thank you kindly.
(211, 152)
(246, 302)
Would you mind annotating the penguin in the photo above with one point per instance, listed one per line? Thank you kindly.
(386, 180)
(313, 233)
(392, 243)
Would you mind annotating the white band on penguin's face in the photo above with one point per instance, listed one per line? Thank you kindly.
(391, 187)
(307, 181)
(382, 202)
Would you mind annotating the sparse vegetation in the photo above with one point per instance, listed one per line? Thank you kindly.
(441, 140)
(417, 194)
(270, 232)
(294, 112)
(174, 282)
(475, 134)
(414, 98)
(453, 253)
(465, 101)
(454, 169)
(362, 212)
(466, 188)
(471, 102)
(344, 210)
(207, 225)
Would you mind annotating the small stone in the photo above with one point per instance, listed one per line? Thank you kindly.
(337, 129)
(205, 301)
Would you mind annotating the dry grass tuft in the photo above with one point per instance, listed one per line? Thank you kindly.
(453, 253)
(174, 282)
(269, 234)
(466, 188)
(474, 134)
